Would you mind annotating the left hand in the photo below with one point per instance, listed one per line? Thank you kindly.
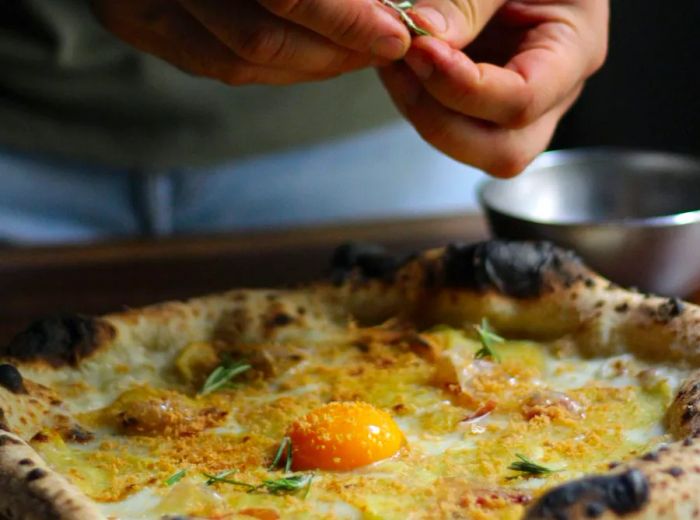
(496, 104)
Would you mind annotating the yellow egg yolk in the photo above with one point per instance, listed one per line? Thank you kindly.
(343, 436)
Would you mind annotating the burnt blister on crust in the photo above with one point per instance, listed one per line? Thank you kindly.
(671, 308)
(516, 269)
(59, 340)
(11, 379)
(369, 260)
(622, 494)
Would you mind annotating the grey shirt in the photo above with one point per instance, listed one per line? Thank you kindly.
(69, 88)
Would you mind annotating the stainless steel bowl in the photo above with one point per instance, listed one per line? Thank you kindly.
(633, 216)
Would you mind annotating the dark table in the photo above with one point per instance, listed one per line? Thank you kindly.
(99, 278)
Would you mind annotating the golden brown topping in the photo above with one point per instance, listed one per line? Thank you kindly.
(150, 412)
(196, 361)
(550, 403)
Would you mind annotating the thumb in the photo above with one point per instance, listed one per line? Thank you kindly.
(457, 22)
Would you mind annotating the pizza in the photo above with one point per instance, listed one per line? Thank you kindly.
(492, 380)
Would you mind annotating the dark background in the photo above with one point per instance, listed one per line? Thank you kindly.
(648, 93)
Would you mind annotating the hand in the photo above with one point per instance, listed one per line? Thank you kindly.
(259, 41)
(496, 104)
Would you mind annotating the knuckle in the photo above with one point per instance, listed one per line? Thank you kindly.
(350, 26)
(262, 45)
(524, 112)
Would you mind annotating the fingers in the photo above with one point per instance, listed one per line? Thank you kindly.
(547, 67)
(259, 37)
(457, 22)
(163, 28)
(480, 90)
(500, 151)
(361, 25)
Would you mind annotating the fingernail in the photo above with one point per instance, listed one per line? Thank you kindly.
(389, 47)
(435, 18)
(420, 64)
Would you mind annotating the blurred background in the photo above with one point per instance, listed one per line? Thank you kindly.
(117, 195)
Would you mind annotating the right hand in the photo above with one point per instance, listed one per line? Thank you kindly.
(259, 41)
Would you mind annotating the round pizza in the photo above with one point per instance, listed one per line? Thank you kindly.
(495, 380)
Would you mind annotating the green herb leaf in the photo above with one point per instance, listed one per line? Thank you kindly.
(285, 446)
(289, 485)
(487, 337)
(222, 376)
(223, 478)
(401, 8)
(529, 467)
(176, 477)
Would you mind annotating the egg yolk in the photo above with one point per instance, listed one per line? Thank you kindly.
(343, 436)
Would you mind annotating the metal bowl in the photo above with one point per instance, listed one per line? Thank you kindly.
(633, 216)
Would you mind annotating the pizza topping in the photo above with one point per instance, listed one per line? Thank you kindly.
(223, 375)
(260, 513)
(487, 337)
(481, 412)
(150, 412)
(343, 436)
(530, 468)
(11, 379)
(175, 477)
(196, 360)
(289, 484)
(284, 452)
(551, 404)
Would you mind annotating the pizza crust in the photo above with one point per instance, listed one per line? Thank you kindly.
(29, 490)
(526, 290)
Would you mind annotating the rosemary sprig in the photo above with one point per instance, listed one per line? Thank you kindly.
(529, 467)
(487, 337)
(175, 477)
(222, 376)
(285, 446)
(223, 479)
(219, 477)
(288, 485)
(401, 8)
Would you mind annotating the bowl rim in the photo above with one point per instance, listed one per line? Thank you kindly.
(566, 156)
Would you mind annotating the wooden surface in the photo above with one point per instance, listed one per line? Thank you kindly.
(101, 278)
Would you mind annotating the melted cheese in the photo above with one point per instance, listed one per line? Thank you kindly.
(464, 421)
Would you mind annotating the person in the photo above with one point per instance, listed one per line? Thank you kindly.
(148, 146)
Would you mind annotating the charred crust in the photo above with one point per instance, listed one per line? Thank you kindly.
(623, 307)
(6, 440)
(516, 269)
(280, 319)
(622, 494)
(35, 474)
(675, 471)
(370, 261)
(11, 379)
(59, 340)
(671, 308)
